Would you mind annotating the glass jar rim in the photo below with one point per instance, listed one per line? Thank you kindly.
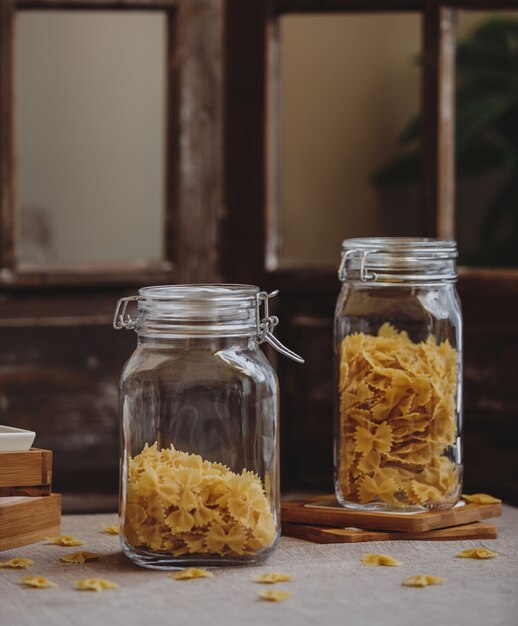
(408, 260)
(401, 245)
(209, 293)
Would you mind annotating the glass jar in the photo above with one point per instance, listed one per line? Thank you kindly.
(398, 367)
(199, 449)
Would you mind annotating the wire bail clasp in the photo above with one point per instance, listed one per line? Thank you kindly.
(121, 319)
(365, 275)
(266, 325)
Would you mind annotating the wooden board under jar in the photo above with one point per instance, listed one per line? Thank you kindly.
(326, 534)
(324, 510)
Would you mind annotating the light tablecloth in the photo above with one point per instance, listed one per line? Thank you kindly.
(330, 586)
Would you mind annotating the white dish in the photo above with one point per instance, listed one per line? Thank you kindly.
(15, 439)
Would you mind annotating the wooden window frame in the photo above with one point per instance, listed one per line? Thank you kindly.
(437, 211)
(189, 252)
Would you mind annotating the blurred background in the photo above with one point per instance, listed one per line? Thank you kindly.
(131, 137)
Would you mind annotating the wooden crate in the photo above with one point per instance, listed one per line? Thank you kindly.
(25, 520)
(26, 473)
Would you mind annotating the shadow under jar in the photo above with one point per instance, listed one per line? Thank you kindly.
(398, 367)
(199, 402)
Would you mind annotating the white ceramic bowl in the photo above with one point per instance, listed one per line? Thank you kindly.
(15, 439)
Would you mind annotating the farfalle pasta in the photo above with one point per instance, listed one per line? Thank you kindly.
(398, 421)
(180, 504)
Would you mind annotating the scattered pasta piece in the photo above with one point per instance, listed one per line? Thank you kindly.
(95, 584)
(65, 540)
(79, 557)
(477, 553)
(110, 530)
(379, 559)
(180, 504)
(274, 595)
(191, 572)
(272, 578)
(17, 563)
(398, 420)
(422, 580)
(481, 498)
(41, 582)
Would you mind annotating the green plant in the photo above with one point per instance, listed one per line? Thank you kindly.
(486, 135)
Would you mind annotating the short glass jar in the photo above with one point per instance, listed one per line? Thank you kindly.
(398, 366)
(199, 449)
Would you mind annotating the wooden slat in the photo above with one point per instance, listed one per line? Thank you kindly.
(273, 168)
(481, 5)
(346, 6)
(130, 274)
(321, 534)
(7, 187)
(244, 235)
(437, 103)
(172, 183)
(94, 5)
(200, 187)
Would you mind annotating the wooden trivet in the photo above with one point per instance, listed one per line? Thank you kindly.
(25, 520)
(26, 473)
(323, 534)
(325, 510)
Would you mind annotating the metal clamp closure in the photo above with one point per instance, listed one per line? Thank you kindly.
(365, 275)
(121, 319)
(266, 325)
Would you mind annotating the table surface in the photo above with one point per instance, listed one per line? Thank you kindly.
(330, 585)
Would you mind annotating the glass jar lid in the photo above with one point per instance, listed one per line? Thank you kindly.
(398, 260)
(205, 310)
(228, 310)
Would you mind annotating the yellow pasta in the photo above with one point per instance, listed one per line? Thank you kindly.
(110, 530)
(16, 563)
(65, 540)
(272, 578)
(274, 595)
(183, 505)
(78, 558)
(422, 580)
(371, 560)
(40, 582)
(477, 553)
(481, 498)
(191, 572)
(398, 420)
(95, 584)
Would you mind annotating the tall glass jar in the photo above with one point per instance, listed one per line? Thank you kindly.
(199, 449)
(398, 364)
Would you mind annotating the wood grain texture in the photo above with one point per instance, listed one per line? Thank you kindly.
(321, 534)
(329, 513)
(199, 55)
(28, 520)
(438, 114)
(26, 469)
